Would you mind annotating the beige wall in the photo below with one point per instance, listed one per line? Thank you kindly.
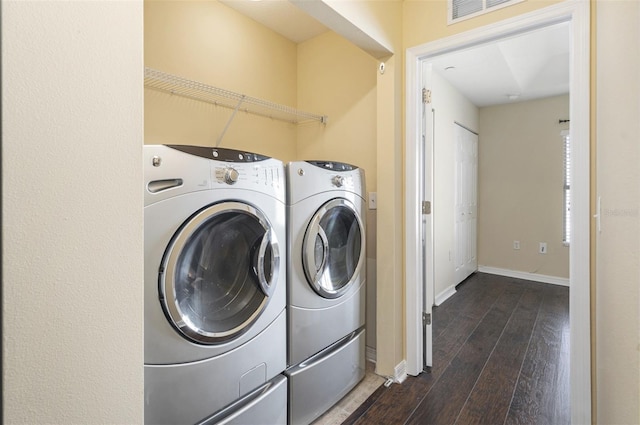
(211, 43)
(426, 20)
(72, 257)
(450, 107)
(617, 314)
(390, 236)
(520, 174)
(339, 79)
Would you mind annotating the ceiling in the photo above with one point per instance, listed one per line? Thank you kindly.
(523, 67)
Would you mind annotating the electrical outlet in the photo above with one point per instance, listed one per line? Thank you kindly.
(543, 248)
(516, 244)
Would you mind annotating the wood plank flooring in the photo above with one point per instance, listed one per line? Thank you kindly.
(500, 356)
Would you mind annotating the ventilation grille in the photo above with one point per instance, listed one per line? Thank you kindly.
(459, 9)
(494, 3)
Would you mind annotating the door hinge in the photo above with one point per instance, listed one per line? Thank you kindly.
(426, 207)
(426, 319)
(426, 96)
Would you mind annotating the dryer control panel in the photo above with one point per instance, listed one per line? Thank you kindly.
(340, 175)
(306, 178)
(333, 165)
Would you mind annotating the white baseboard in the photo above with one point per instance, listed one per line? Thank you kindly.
(400, 372)
(370, 354)
(554, 280)
(444, 295)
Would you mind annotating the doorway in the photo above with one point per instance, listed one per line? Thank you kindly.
(419, 277)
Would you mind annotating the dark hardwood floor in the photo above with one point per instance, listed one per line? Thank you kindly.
(500, 356)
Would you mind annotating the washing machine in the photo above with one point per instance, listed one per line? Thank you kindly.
(326, 285)
(214, 286)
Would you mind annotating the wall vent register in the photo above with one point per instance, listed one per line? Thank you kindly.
(459, 10)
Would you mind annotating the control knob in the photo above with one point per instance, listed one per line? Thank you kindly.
(231, 176)
(338, 181)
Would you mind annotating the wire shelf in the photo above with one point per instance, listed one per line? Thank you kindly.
(173, 84)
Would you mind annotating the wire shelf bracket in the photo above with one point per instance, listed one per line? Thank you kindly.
(180, 86)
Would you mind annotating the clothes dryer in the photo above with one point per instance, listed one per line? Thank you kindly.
(214, 286)
(326, 285)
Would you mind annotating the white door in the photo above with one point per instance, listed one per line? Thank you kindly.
(466, 203)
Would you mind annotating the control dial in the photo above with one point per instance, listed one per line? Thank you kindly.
(338, 181)
(231, 175)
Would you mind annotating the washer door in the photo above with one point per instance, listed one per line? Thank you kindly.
(218, 272)
(333, 248)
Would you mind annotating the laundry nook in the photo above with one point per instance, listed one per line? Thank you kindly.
(320, 212)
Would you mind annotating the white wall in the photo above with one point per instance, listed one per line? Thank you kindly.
(72, 212)
(617, 292)
(450, 107)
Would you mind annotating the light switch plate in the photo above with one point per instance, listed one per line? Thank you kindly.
(373, 200)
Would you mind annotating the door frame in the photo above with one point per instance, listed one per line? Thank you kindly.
(577, 12)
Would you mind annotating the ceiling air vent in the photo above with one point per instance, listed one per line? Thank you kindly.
(463, 9)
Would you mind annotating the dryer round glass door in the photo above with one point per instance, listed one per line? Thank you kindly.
(219, 271)
(333, 248)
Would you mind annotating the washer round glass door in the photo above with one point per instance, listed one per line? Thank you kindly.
(333, 248)
(219, 271)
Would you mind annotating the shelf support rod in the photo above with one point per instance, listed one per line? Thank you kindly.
(224, 130)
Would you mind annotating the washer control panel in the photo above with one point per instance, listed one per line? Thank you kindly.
(252, 175)
(170, 171)
(220, 154)
(240, 169)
